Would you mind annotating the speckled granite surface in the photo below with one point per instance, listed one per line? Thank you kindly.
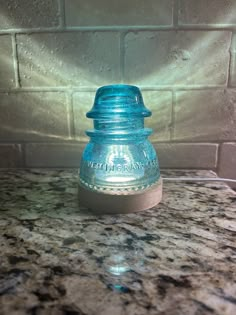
(176, 259)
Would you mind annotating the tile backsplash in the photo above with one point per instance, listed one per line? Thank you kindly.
(55, 54)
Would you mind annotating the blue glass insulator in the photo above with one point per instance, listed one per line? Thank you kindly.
(119, 156)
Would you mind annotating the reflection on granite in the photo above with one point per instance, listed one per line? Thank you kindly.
(57, 259)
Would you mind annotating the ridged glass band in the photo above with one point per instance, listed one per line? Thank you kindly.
(117, 189)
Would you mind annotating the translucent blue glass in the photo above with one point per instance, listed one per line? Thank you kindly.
(119, 156)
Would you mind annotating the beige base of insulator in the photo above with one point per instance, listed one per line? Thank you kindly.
(103, 202)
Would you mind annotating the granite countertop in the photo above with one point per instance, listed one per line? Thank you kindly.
(178, 258)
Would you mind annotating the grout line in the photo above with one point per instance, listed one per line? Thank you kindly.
(182, 88)
(70, 111)
(172, 128)
(43, 141)
(45, 167)
(48, 89)
(84, 139)
(199, 179)
(23, 154)
(218, 158)
(190, 168)
(62, 17)
(176, 13)
(232, 65)
(125, 28)
(230, 61)
(122, 57)
(94, 88)
(196, 142)
(15, 61)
